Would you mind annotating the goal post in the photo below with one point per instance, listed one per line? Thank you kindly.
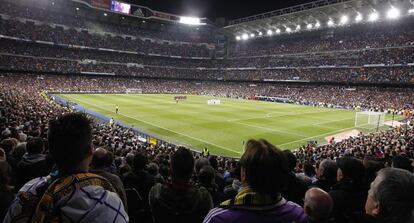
(369, 119)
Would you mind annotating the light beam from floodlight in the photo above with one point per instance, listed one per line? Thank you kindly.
(309, 26)
(344, 19)
(393, 13)
(269, 32)
(245, 36)
(330, 22)
(373, 17)
(358, 18)
(278, 31)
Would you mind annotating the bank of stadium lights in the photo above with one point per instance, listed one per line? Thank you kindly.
(393, 13)
(191, 21)
(252, 35)
(411, 11)
(238, 38)
(298, 27)
(245, 36)
(317, 25)
(260, 34)
(358, 18)
(269, 32)
(309, 26)
(105, 14)
(344, 20)
(278, 31)
(77, 9)
(288, 29)
(330, 23)
(373, 17)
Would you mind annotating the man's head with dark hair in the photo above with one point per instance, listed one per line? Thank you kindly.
(8, 146)
(264, 167)
(291, 158)
(35, 145)
(100, 157)
(402, 162)
(351, 169)
(182, 165)
(206, 175)
(327, 170)
(200, 163)
(140, 161)
(391, 196)
(70, 141)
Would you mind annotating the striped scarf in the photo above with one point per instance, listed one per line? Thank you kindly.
(46, 210)
(248, 199)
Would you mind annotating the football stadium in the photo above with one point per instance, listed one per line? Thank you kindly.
(207, 111)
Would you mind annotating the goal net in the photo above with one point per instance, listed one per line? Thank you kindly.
(369, 119)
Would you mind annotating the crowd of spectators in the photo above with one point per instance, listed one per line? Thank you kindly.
(72, 18)
(355, 37)
(109, 174)
(394, 74)
(44, 32)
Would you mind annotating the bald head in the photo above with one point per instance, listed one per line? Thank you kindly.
(100, 157)
(318, 204)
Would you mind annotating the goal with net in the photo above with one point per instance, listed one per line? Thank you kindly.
(369, 119)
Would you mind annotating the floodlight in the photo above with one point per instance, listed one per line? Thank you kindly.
(344, 19)
(358, 18)
(245, 36)
(317, 25)
(278, 31)
(77, 9)
(105, 14)
(373, 17)
(288, 30)
(309, 26)
(411, 11)
(269, 32)
(252, 35)
(393, 13)
(238, 38)
(297, 27)
(330, 22)
(190, 20)
(260, 34)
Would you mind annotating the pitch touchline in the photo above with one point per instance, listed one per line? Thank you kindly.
(201, 140)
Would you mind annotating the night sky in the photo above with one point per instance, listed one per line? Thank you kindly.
(212, 9)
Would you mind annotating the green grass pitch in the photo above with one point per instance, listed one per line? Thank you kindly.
(221, 128)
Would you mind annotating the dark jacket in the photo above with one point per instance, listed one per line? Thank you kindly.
(323, 184)
(295, 189)
(179, 203)
(348, 197)
(31, 166)
(142, 181)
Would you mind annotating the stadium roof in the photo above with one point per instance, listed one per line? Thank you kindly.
(318, 14)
